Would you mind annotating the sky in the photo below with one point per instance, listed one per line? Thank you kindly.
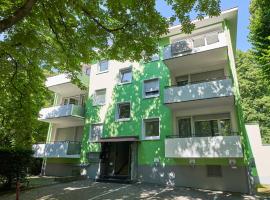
(243, 18)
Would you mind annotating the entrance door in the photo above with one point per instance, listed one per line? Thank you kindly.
(115, 159)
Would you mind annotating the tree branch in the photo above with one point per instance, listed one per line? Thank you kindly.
(18, 15)
(109, 30)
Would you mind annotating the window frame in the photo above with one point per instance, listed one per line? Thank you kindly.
(98, 67)
(120, 76)
(117, 111)
(144, 137)
(90, 139)
(95, 95)
(153, 95)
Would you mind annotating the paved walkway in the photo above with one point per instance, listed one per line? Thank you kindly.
(88, 190)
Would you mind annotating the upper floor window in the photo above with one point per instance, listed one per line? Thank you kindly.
(96, 132)
(125, 75)
(71, 100)
(123, 111)
(100, 97)
(151, 88)
(88, 71)
(103, 66)
(151, 128)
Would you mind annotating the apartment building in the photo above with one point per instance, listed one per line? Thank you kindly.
(174, 119)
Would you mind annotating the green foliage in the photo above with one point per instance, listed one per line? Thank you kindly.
(255, 92)
(61, 35)
(260, 33)
(14, 164)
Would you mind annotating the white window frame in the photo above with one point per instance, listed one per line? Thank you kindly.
(154, 95)
(90, 131)
(144, 137)
(120, 76)
(95, 95)
(117, 111)
(98, 67)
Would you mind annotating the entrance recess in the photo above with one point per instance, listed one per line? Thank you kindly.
(118, 158)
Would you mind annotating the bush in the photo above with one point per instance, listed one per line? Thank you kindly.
(14, 163)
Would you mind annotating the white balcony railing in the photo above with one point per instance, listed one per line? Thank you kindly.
(204, 147)
(65, 149)
(61, 111)
(205, 90)
(194, 45)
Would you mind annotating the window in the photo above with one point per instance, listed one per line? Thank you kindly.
(123, 111)
(184, 127)
(126, 76)
(71, 100)
(214, 171)
(103, 66)
(88, 71)
(100, 97)
(151, 128)
(96, 132)
(182, 80)
(206, 128)
(151, 88)
(212, 125)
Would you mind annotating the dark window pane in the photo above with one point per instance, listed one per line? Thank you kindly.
(225, 127)
(124, 110)
(184, 127)
(151, 128)
(206, 128)
(214, 171)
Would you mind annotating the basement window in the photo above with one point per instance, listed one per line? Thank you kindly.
(214, 171)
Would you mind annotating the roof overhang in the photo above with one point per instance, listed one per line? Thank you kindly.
(119, 139)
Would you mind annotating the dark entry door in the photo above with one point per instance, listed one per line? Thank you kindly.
(115, 159)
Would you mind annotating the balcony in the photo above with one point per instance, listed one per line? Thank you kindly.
(188, 54)
(65, 149)
(62, 84)
(204, 147)
(211, 92)
(63, 114)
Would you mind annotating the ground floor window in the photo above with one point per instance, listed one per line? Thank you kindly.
(151, 128)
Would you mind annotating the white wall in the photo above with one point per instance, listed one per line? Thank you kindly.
(261, 153)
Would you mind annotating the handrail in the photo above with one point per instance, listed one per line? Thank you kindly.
(232, 133)
(197, 82)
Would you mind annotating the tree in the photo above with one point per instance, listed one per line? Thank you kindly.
(255, 92)
(61, 35)
(260, 33)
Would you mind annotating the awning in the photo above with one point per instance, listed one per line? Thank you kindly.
(119, 139)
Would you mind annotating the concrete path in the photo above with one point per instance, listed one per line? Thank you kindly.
(88, 190)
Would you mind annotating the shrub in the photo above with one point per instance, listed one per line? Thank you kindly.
(14, 163)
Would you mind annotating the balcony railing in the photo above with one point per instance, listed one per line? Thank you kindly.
(204, 147)
(58, 149)
(195, 44)
(61, 111)
(197, 91)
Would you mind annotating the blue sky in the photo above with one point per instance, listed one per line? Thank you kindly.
(243, 18)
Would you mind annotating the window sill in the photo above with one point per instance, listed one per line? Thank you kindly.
(122, 120)
(102, 72)
(96, 105)
(125, 83)
(151, 138)
(151, 96)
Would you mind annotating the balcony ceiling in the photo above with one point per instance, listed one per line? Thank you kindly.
(65, 121)
(226, 101)
(66, 89)
(196, 62)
